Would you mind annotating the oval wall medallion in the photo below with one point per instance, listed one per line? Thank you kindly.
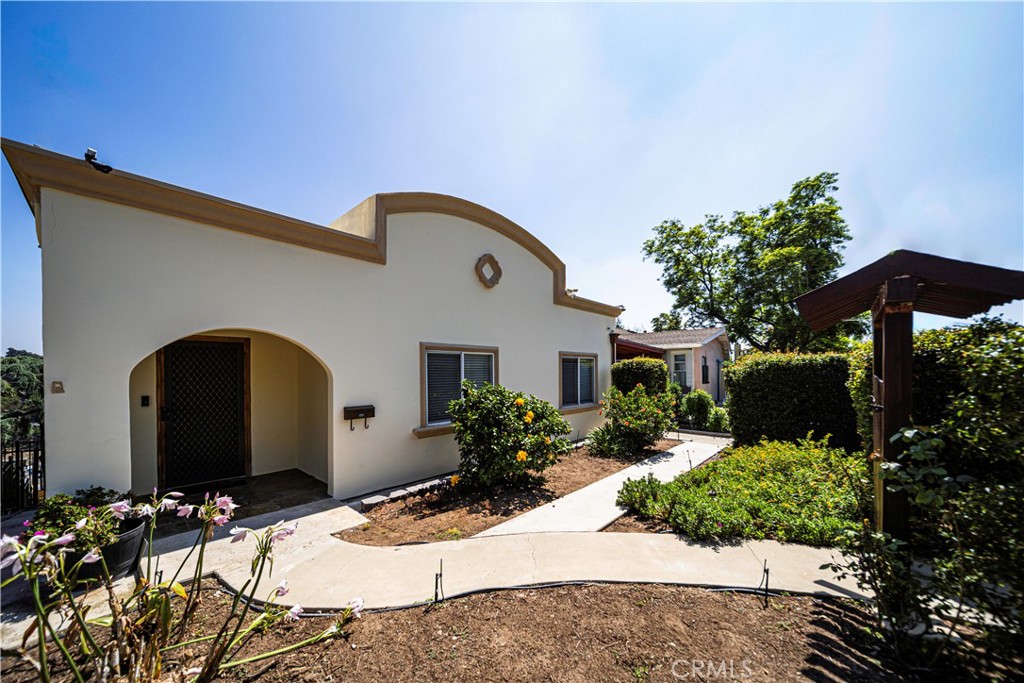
(488, 270)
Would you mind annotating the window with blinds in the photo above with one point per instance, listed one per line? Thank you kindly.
(445, 372)
(578, 380)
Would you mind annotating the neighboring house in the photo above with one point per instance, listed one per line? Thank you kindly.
(190, 339)
(694, 356)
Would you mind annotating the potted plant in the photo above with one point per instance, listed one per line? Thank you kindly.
(119, 541)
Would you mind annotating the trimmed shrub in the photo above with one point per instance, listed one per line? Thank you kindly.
(505, 435)
(635, 422)
(783, 396)
(698, 406)
(719, 420)
(941, 360)
(652, 373)
(801, 492)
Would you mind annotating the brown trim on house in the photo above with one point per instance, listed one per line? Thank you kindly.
(586, 406)
(36, 168)
(424, 429)
(247, 401)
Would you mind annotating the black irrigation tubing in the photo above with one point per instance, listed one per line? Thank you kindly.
(332, 611)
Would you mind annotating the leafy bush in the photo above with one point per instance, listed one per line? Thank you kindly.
(677, 405)
(635, 422)
(941, 360)
(719, 420)
(61, 512)
(505, 435)
(782, 396)
(698, 405)
(801, 492)
(652, 373)
(963, 478)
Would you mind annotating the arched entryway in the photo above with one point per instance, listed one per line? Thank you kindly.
(227, 404)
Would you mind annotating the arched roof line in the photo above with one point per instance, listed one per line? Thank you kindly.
(366, 224)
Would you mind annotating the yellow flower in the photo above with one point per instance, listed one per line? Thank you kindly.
(521, 456)
(529, 418)
(529, 414)
(547, 439)
(520, 401)
(551, 457)
(455, 479)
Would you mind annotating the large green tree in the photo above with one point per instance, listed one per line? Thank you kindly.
(21, 398)
(745, 272)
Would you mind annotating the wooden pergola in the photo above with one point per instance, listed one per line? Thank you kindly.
(892, 288)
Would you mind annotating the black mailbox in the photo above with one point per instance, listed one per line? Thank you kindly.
(352, 413)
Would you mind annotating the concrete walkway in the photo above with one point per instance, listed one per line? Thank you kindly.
(593, 507)
(325, 573)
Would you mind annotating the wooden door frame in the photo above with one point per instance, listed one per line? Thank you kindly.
(161, 461)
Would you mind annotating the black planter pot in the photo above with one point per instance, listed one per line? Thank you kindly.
(121, 556)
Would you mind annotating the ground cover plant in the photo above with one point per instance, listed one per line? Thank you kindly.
(574, 634)
(802, 492)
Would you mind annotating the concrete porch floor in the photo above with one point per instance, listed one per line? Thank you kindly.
(259, 495)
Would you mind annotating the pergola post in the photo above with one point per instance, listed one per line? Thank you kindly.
(893, 343)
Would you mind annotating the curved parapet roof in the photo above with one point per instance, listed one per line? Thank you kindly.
(359, 234)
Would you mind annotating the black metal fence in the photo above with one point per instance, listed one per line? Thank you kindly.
(22, 475)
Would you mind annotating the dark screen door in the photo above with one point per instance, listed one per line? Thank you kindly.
(203, 412)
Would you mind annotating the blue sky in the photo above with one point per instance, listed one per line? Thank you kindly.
(586, 124)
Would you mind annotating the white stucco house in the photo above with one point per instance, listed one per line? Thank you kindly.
(694, 355)
(189, 339)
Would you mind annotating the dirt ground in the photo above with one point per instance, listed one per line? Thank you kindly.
(577, 634)
(447, 514)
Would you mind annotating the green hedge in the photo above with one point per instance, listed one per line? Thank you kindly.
(941, 361)
(652, 373)
(785, 396)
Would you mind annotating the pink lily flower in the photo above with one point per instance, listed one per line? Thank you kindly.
(81, 523)
(225, 503)
(146, 510)
(239, 533)
(119, 508)
(11, 561)
(356, 606)
(293, 613)
(282, 532)
(8, 544)
(221, 520)
(168, 504)
(175, 494)
(282, 588)
(185, 510)
(64, 540)
(92, 556)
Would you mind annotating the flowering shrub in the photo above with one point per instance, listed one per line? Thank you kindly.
(635, 422)
(797, 492)
(145, 625)
(504, 435)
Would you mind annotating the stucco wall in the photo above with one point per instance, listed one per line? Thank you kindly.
(713, 351)
(119, 283)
